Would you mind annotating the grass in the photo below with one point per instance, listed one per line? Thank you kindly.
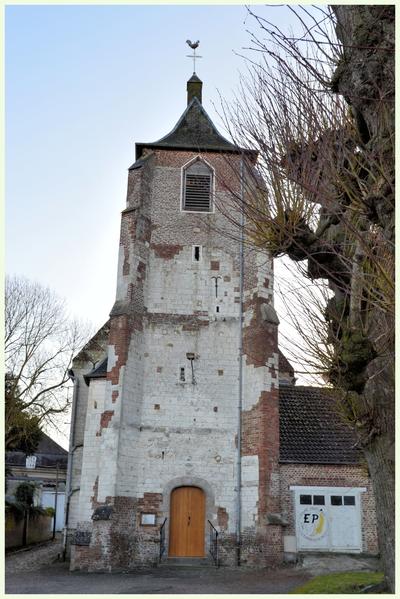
(340, 582)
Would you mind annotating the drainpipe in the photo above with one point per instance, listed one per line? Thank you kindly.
(55, 506)
(240, 399)
(71, 450)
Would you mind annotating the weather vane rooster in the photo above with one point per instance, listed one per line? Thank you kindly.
(193, 45)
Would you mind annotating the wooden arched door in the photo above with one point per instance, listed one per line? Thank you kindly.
(187, 522)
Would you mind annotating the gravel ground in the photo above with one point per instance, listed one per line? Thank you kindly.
(35, 571)
(32, 558)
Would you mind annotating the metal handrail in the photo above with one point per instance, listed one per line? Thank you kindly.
(162, 539)
(213, 546)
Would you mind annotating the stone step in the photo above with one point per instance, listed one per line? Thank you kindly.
(198, 562)
(324, 563)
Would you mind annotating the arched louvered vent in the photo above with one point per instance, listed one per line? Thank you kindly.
(197, 187)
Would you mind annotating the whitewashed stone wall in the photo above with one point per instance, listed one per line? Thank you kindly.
(157, 428)
(91, 455)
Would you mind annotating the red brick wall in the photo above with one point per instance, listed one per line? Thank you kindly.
(260, 428)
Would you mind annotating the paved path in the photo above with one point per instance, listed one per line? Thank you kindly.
(56, 579)
(37, 571)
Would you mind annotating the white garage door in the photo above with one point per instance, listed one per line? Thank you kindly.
(328, 518)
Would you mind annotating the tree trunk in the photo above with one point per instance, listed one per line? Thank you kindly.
(365, 78)
(380, 455)
(381, 469)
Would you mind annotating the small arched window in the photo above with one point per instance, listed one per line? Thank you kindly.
(197, 187)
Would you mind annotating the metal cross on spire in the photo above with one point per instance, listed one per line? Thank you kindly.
(193, 45)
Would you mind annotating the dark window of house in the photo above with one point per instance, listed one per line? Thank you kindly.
(182, 375)
(318, 500)
(197, 187)
(349, 500)
(336, 500)
(197, 253)
(305, 499)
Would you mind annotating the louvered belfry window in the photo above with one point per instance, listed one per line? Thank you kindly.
(197, 191)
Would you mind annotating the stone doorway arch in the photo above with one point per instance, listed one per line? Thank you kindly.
(188, 481)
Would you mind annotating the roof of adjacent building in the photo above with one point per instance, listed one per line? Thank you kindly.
(98, 372)
(48, 454)
(96, 344)
(311, 428)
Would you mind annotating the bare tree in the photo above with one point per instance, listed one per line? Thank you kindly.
(320, 111)
(40, 341)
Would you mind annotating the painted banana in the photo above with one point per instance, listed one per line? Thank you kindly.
(320, 526)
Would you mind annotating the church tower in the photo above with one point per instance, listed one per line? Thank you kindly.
(176, 398)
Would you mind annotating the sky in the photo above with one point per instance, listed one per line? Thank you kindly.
(83, 84)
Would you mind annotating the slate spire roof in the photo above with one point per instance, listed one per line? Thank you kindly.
(193, 131)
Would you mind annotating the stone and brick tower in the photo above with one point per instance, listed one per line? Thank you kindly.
(158, 389)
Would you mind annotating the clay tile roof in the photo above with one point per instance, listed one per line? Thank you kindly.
(311, 429)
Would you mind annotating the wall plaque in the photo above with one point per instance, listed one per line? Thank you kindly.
(148, 519)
